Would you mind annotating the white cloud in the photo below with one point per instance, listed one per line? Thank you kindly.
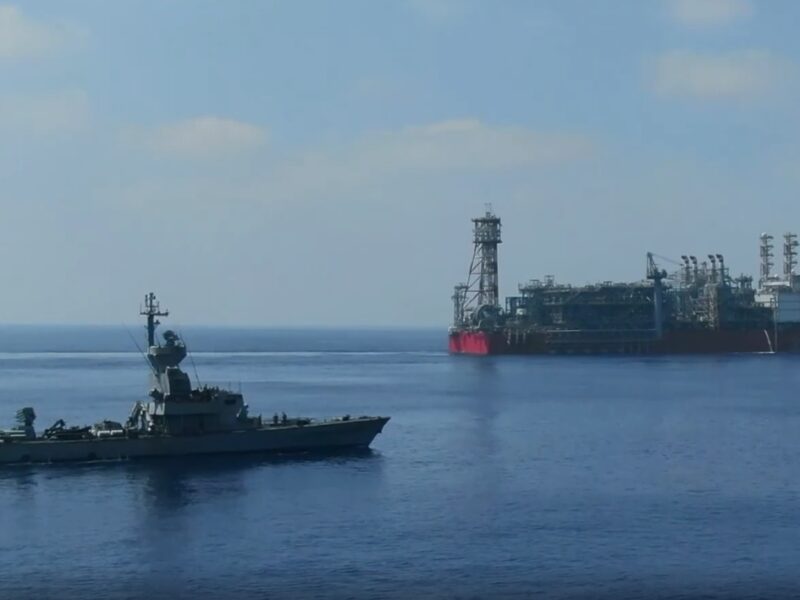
(734, 75)
(58, 112)
(446, 147)
(449, 152)
(205, 137)
(467, 144)
(23, 37)
(706, 13)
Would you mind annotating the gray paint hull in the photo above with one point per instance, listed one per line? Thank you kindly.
(323, 435)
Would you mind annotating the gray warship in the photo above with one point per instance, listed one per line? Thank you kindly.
(179, 420)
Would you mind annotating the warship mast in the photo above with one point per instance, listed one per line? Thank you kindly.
(151, 310)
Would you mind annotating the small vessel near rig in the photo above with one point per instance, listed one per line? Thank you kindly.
(180, 420)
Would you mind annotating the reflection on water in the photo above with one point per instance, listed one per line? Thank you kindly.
(171, 483)
(173, 469)
(167, 485)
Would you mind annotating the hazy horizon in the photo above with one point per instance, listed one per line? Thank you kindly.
(165, 324)
(308, 164)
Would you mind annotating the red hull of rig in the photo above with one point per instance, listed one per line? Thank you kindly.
(698, 309)
(485, 343)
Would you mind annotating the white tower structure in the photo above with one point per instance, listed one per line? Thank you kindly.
(481, 292)
(789, 256)
(766, 258)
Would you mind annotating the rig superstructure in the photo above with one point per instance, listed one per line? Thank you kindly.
(697, 308)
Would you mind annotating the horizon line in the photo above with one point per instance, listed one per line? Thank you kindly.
(230, 326)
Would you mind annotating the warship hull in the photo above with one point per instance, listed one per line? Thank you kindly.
(671, 342)
(315, 436)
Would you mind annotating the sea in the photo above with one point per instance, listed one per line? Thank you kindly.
(496, 477)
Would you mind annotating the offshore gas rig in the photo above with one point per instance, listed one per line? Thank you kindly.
(696, 308)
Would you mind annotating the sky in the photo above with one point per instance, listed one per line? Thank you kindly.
(293, 163)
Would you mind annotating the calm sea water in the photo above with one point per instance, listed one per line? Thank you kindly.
(496, 477)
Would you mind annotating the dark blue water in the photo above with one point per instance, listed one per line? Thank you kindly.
(496, 477)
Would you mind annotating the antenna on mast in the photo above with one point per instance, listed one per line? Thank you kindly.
(151, 310)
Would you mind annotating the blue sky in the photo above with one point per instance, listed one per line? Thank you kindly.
(300, 163)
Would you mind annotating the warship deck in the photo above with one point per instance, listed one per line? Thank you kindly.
(313, 436)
